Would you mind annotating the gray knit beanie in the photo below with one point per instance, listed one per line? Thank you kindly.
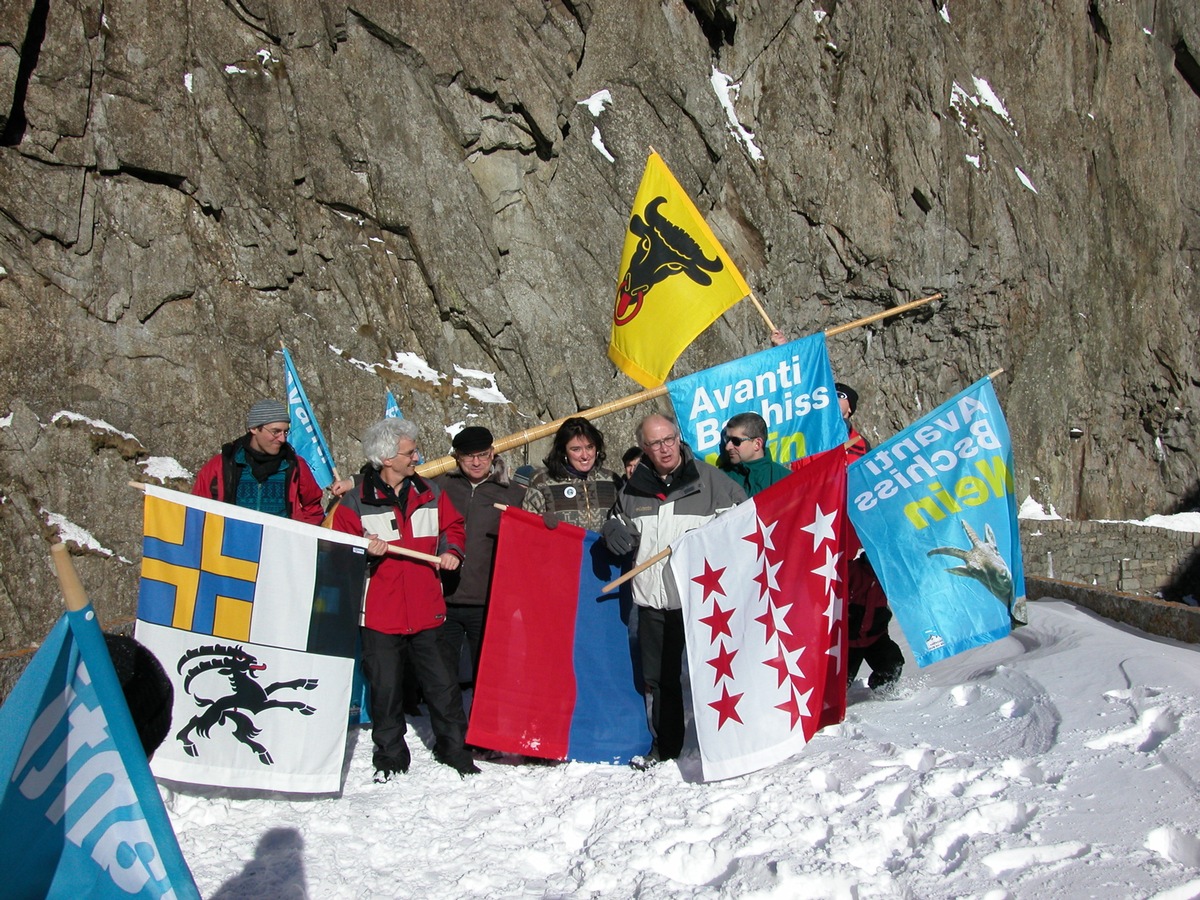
(266, 411)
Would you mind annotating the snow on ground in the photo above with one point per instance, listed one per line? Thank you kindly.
(1057, 762)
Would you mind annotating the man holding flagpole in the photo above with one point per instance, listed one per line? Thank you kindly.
(670, 493)
(261, 471)
(404, 609)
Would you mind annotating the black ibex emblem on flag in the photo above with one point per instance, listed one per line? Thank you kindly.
(247, 696)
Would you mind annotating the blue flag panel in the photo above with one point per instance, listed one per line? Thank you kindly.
(81, 815)
(306, 437)
(791, 387)
(935, 511)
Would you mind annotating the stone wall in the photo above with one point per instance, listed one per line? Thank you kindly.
(1153, 616)
(1136, 559)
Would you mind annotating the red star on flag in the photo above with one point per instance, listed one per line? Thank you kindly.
(776, 600)
(710, 580)
(797, 706)
(766, 578)
(768, 622)
(726, 707)
(780, 611)
(780, 665)
(718, 621)
(761, 537)
(723, 663)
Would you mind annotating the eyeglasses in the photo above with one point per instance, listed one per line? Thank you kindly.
(664, 443)
(411, 454)
(735, 440)
(476, 457)
(277, 432)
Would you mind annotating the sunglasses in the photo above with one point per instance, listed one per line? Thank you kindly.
(736, 441)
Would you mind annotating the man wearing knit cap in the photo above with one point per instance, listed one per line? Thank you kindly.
(475, 487)
(260, 470)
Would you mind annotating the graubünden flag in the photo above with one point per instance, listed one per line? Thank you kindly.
(763, 593)
(556, 673)
(675, 279)
(255, 619)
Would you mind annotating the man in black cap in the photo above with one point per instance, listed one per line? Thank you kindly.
(480, 481)
(260, 470)
(856, 445)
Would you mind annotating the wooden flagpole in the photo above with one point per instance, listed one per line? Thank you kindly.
(74, 596)
(529, 435)
(636, 570)
(762, 312)
(392, 549)
(887, 313)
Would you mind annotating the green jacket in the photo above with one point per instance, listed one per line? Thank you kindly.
(756, 475)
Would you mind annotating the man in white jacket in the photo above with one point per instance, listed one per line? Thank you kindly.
(669, 493)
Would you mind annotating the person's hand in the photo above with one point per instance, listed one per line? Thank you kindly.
(448, 562)
(376, 547)
(341, 486)
(778, 338)
(619, 537)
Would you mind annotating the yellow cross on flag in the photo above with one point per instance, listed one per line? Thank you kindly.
(676, 279)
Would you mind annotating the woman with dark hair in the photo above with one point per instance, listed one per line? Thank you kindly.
(574, 486)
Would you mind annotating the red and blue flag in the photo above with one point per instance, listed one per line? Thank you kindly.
(556, 677)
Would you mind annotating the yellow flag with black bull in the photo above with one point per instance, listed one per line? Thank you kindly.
(676, 279)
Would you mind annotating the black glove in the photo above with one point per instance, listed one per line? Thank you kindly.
(619, 537)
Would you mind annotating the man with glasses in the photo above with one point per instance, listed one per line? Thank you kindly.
(745, 457)
(669, 493)
(260, 470)
(403, 610)
(480, 481)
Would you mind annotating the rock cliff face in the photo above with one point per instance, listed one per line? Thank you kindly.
(184, 184)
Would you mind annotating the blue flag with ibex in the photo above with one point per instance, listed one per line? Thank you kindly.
(935, 510)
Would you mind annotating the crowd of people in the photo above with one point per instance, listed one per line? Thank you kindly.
(419, 614)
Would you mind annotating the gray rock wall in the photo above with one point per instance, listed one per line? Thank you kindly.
(184, 184)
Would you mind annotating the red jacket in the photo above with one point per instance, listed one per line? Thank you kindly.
(867, 613)
(856, 446)
(219, 476)
(404, 595)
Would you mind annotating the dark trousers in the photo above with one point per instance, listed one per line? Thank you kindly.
(885, 658)
(463, 624)
(383, 660)
(660, 636)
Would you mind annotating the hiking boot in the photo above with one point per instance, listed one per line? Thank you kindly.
(459, 760)
(387, 766)
(483, 753)
(646, 760)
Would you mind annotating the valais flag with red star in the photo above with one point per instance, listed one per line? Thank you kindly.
(763, 593)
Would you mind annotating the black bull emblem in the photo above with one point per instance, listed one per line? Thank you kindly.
(246, 696)
(664, 249)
